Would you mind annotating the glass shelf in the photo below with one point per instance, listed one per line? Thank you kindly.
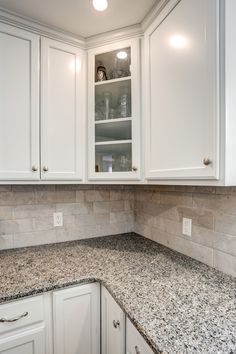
(113, 131)
(113, 65)
(113, 157)
(113, 100)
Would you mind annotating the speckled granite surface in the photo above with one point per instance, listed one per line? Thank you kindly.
(179, 305)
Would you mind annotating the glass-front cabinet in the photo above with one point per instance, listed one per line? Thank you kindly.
(114, 111)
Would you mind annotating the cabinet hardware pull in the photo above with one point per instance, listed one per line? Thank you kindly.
(134, 168)
(3, 320)
(45, 168)
(137, 351)
(34, 168)
(206, 161)
(116, 324)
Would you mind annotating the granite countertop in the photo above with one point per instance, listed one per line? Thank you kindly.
(179, 305)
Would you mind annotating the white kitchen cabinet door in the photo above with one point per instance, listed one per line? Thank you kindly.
(62, 113)
(135, 344)
(181, 94)
(76, 316)
(114, 145)
(113, 325)
(26, 342)
(19, 104)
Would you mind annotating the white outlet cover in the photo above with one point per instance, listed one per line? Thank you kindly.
(57, 219)
(187, 227)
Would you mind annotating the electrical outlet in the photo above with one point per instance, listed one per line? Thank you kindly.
(187, 227)
(57, 219)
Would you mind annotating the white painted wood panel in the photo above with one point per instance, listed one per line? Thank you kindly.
(77, 320)
(62, 121)
(19, 104)
(113, 325)
(135, 344)
(27, 342)
(182, 92)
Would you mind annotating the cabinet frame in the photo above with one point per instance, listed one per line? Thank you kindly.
(134, 44)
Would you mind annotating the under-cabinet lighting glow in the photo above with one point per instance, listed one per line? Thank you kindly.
(178, 41)
(100, 5)
(122, 55)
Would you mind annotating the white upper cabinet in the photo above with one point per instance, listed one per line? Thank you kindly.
(114, 111)
(182, 92)
(62, 113)
(19, 104)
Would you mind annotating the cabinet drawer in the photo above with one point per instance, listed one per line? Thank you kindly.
(135, 343)
(21, 313)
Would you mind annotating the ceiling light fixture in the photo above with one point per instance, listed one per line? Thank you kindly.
(100, 5)
(122, 55)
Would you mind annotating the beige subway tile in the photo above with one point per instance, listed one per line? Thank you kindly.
(199, 216)
(119, 205)
(119, 217)
(43, 223)
(223, 203)
(225, 243)
(16, 226)
(6, 188)
(203, 236)
(92, 219)
(6, 198)
(128, 205)
(225, 263)
(80, 196)
(101, 207)
(22, 198)
(225, 223)
(45, 197)
(32, 211)
(5, 213)
(199, 252)
(169, 198)
(75, 208)
(97, 195)
(34, 238)
(116, 195)
(143, 230)
(6, 242)
(161, 237)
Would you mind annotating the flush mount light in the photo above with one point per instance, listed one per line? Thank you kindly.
(100, 5)
(122, 55)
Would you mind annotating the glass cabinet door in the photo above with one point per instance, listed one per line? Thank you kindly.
(112, 113)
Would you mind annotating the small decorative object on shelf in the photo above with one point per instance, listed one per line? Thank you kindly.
(101, 73)
(107, 103)
(123, 103)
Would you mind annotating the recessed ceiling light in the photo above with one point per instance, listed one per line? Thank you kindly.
(122, 55)
(100, 5)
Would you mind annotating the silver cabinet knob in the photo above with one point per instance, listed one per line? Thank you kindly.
(34, 168)
(45, 169)
(116, 324)
(137, 351)
(134, 168)
(206, 161)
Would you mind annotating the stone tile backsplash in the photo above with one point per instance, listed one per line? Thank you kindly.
(26, 213)
(156, 212)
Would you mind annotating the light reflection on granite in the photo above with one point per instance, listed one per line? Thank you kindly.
(179, 305)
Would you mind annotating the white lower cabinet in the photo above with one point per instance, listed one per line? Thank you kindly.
(112, 325)
(67, 321)
(26, 342)
(76, 317)
(22, 327)
(135, 344)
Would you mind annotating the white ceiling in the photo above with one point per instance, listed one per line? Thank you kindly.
(79, 17)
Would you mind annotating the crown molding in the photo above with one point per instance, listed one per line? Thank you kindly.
(153, 13)
(39, 28)
(109, 37)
